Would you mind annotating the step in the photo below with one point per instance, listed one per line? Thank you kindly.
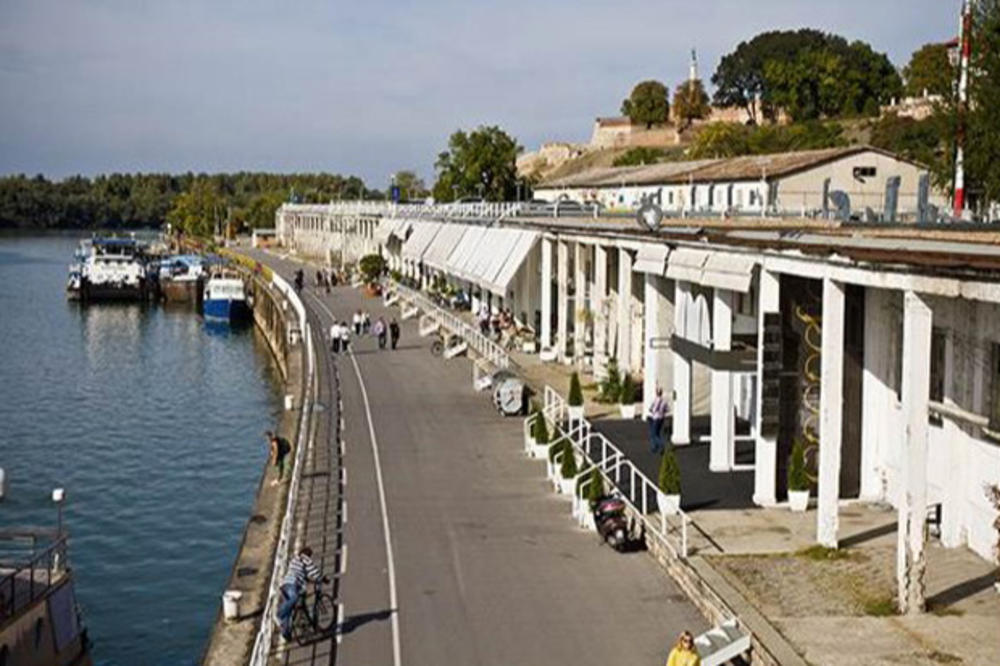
(722, 644)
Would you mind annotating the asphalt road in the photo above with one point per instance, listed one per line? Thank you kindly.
(487, 566)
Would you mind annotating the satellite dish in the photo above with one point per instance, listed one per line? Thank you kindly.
(649, 215)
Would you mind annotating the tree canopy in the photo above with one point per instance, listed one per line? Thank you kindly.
(929, 70)
(719, 140)
(411, 186)
(482, 162)
(691, 102)
(807, 74)
(648, 104)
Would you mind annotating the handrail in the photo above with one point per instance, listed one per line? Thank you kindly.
(51, 560)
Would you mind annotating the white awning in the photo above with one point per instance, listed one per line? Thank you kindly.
(464, 252)
(686, 263)
(652, 259)
(523, 245)
(443, 245)
(384, 230)
(418, 242)
(495, 248)
(728, 271)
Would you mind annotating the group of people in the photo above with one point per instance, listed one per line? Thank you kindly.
(340, 332)
(495, 323)
(325, 279)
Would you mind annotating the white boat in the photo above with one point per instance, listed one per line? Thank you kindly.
(114, 269)
(225, 298)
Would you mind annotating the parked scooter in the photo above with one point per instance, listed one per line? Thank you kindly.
(611, 522)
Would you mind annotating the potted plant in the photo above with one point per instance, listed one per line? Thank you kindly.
(611, 385)
(575, 398)
(592, 493)
(626, 401)
(798, 480)
(669, 482)
(568, 468)
(540, 436)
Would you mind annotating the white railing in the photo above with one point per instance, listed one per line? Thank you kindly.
(482, 345)
(262, 644)
(478, 210)
(628, 481)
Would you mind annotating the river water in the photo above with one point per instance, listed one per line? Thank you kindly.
(153, 424)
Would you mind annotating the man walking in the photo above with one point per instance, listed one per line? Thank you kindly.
(380, 330)
(655, 418)
(394, 333)
(335, 338)
(280, 448)
(345, 337)
(300, 570)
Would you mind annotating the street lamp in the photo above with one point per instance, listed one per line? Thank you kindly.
(59, 497)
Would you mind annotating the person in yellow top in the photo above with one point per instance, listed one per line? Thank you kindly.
(684, 653)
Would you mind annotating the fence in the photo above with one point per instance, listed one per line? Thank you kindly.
(479, 343)
(23, 580)
(262, 643)
(598, 452)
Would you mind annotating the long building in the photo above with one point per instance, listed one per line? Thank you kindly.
(878, 347)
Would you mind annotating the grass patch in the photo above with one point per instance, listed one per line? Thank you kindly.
(879, 607)
(944, 658)
(819, 553)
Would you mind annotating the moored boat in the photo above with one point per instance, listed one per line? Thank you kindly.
(114, 269)
(225, 298)
(182, 278)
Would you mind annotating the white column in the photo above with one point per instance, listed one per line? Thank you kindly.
(910, 557)
(562, 302)
(624, 309)
(831, 410)
(546, 332)
(721, 454)
(681, 423)
(658, 327)
(598, 299)
(579, 300)
(766, 451)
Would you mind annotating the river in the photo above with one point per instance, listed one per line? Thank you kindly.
(153, 425)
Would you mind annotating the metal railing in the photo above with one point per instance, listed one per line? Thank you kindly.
(27, 577)
(618, 471)
(262, 644)
(479, 343)
(471, 210)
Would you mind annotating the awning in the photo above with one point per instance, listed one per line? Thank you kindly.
(443, 245)
(418, 242)
(728, 271)
(686, 263)
(652, 259)
(384, 230)
(523, 245)
(493, 242)
(463, 254)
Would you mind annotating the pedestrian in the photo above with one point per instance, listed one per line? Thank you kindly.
(335, 338)
(326, 280)
(394, 332)
(684, 652)
(345, 337)
(484, 320)
(357, 322)
(657, 414)
(380, 331)
(280, 448)
(366, 322)
(300, 570)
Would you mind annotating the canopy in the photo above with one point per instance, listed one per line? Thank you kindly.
(448, 237)
(524, 243)
(421, 238)
(652, 259)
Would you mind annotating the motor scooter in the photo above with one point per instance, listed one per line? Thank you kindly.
(611, 522)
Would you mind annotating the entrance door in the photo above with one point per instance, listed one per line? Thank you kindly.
(854, 356)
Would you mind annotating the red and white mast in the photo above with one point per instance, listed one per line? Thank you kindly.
(963, 101)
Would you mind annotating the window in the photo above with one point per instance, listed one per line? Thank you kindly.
(994, 380)
(861, 172)
(939, 344)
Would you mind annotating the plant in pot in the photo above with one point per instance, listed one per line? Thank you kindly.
(540, 436)
(568, 468)
(611, 386)
(798, 479)
(592, 493)
(626, 401)
(669, 482)
(575, 398)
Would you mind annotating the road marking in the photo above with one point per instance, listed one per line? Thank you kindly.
(343, 560)
(340, 623)
(390, 560)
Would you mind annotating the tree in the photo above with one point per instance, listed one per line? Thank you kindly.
(575, 391)
(639, 156)
(481, 163)
(411, 186)
(371, 266)
(924, 141)
(691, 102)
(669, 480)
(982, 141)
(648, 104)
(196, 211)
(719, 140)
(929, 70)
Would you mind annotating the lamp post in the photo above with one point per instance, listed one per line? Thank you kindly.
(59, 497)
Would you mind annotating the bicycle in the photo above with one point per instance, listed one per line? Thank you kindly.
(442, 343)
(308, 624)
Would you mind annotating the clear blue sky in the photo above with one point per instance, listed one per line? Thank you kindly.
(369, 87)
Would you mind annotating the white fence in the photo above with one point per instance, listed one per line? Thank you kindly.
(628, 481)
(262, 643)
(479, 210)
(482, 345)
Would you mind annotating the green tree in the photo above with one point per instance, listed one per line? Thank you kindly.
(923, 141)
(720, 140)
(639, 156)
(575, 391)
(196, 211)
(930, 70)
(648, 104)
(478, 163)
(411, 186)
(983, 117)
(691, 102)
(669, 480)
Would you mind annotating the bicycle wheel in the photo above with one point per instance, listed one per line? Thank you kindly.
(301, 626)
(326, 613)
(437, 348)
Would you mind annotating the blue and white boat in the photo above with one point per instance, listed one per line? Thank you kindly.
(225, 298)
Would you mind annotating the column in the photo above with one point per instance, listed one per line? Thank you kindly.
(656, 359)
(624, 309)
(721, 453)
(580, 306)
(765, 481)
(598, 300)
(911, 560)
(831, 409)
(562, 302)
(546, 332)
(681, 423)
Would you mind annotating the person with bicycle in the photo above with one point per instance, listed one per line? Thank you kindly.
(300, 570)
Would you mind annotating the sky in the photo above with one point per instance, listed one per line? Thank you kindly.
(364, 87)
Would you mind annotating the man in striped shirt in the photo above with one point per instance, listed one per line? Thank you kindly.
(300, 570)
(657, 414)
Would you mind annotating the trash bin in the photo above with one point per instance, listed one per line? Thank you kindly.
(231, 604)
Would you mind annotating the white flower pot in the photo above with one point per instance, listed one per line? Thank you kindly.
(575, 413)
(567, 486)
(539, 451)
(529, 442)
(669, 505)
(798, 500)
(627, 411)
(588, 520)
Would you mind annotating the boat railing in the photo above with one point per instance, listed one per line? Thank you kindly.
(32, 561)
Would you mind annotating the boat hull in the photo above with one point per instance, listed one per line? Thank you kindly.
(223, 309)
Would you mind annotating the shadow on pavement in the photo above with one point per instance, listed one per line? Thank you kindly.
(355, 621)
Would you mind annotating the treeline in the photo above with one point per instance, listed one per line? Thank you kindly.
(196, 203)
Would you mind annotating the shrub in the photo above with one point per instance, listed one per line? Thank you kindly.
(628, 390)
(610, 388)
(797, 477)
(540, 430)
(670, 473)
(575, 391)
(640, 156)
(556, 447)
(568, 467)
(371, 266)
(595, 490)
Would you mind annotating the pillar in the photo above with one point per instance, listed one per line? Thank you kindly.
(831, 409)
(910, 555)
(598, 299)
(681, 423)
(624, 309)
(580, 305)
(656, 359)
(562, 302)
(546, 332)
(721, 453)
(765, 479)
